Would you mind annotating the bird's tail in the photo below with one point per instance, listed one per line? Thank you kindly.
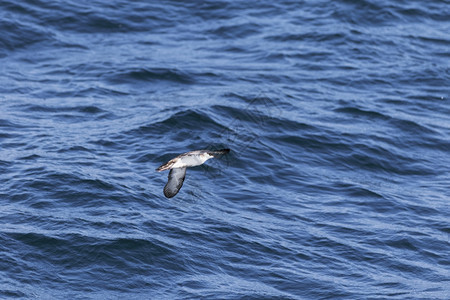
(218, 152)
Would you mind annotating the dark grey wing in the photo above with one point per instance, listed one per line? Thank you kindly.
(176, 178)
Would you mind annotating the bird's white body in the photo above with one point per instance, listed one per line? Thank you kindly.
(190, 160)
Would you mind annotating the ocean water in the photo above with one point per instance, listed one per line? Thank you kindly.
(337, 115)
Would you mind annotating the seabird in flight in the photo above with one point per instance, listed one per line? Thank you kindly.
(179, 164)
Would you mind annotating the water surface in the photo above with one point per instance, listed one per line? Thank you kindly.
(337, 114)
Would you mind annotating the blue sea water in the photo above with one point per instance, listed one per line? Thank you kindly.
(337, 115)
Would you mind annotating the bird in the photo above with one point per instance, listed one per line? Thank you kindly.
(178, 165)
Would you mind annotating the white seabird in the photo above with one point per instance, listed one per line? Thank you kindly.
(179, 164)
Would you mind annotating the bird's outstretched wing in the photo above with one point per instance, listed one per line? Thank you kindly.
(176, 178)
